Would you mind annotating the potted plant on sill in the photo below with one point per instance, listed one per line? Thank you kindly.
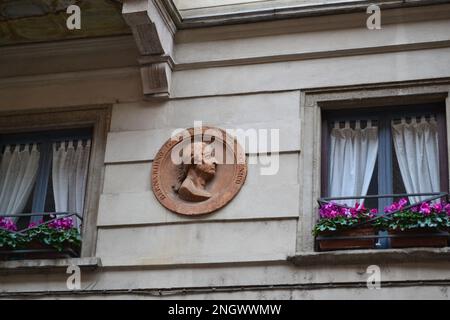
(55, 238)
(424, 225)
(341, 221)
(8, 236)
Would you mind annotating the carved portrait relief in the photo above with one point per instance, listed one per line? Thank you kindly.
(198, 171)
(191, 184)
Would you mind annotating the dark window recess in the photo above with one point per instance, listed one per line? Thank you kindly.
(41, 199)
(386, 178)
(397, 180)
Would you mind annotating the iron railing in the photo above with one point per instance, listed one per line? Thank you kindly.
(70, 252)
(431, 197)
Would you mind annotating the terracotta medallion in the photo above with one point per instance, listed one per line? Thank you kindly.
(198, 171)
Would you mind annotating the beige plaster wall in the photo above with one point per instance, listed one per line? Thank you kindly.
(222, 83)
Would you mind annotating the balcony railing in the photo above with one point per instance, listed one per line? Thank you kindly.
(431, 196)
(26, 252)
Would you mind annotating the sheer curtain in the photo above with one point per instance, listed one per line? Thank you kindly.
(18, 170)
(353, 153)
(416, 147)
(69, 175)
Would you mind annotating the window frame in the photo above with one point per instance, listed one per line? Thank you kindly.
(46, 140)
(384, 116)
(71, 118)
(313, 101)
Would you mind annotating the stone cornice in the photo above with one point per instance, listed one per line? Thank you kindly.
(368, 257)
(46, 265)
(243, 13)
(77, 46)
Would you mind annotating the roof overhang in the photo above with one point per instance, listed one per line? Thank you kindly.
(205, 13)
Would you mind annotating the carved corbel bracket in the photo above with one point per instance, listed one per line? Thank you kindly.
(156, 76)
(153, 31)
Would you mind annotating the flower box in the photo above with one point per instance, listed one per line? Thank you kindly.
(342, 221)
(347, 244)
(41, 250)
(410, 238)
(37, 250)
(57, 238)
(421, 223)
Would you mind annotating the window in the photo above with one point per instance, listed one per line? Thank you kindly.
(384, 151)
(44, 172)
(39, 127)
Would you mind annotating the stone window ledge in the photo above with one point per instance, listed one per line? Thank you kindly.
(368, 257)
(38, 265)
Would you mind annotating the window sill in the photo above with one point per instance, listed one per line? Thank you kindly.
(39, 265)
(368, 257)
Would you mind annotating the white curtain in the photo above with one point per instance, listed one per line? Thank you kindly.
(18, 170)
(69, 175)
(353, 153)
(416, 147)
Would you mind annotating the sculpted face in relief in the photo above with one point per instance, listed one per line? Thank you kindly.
(196, 174)
(206, 179)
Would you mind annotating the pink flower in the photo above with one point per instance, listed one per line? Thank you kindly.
(393, 207)
(7, 224)
(402, 202)
(348, 212)
(35, 224)
(438, 207)
(447, 209)
(373, 213)
(396, 206)
(61, 223)
(360, 207)
(425, 208)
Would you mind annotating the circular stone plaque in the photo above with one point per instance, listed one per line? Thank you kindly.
(198, 171)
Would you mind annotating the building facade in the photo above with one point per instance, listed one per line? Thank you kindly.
(122, 85)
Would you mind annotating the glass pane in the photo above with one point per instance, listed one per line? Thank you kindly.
(373, 189)
(397, 180)
(50, 199)
(24, 221)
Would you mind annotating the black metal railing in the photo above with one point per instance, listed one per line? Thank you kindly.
(431, 197)
(53, 217)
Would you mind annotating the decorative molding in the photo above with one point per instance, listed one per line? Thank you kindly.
(311, 55)
(311, 23)
(154, 32)
(255, 12)
(59, 78)
(46, 265)
(77, 46)
(206, 292)
(156, 79)
(367, 257)
(145, 33)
